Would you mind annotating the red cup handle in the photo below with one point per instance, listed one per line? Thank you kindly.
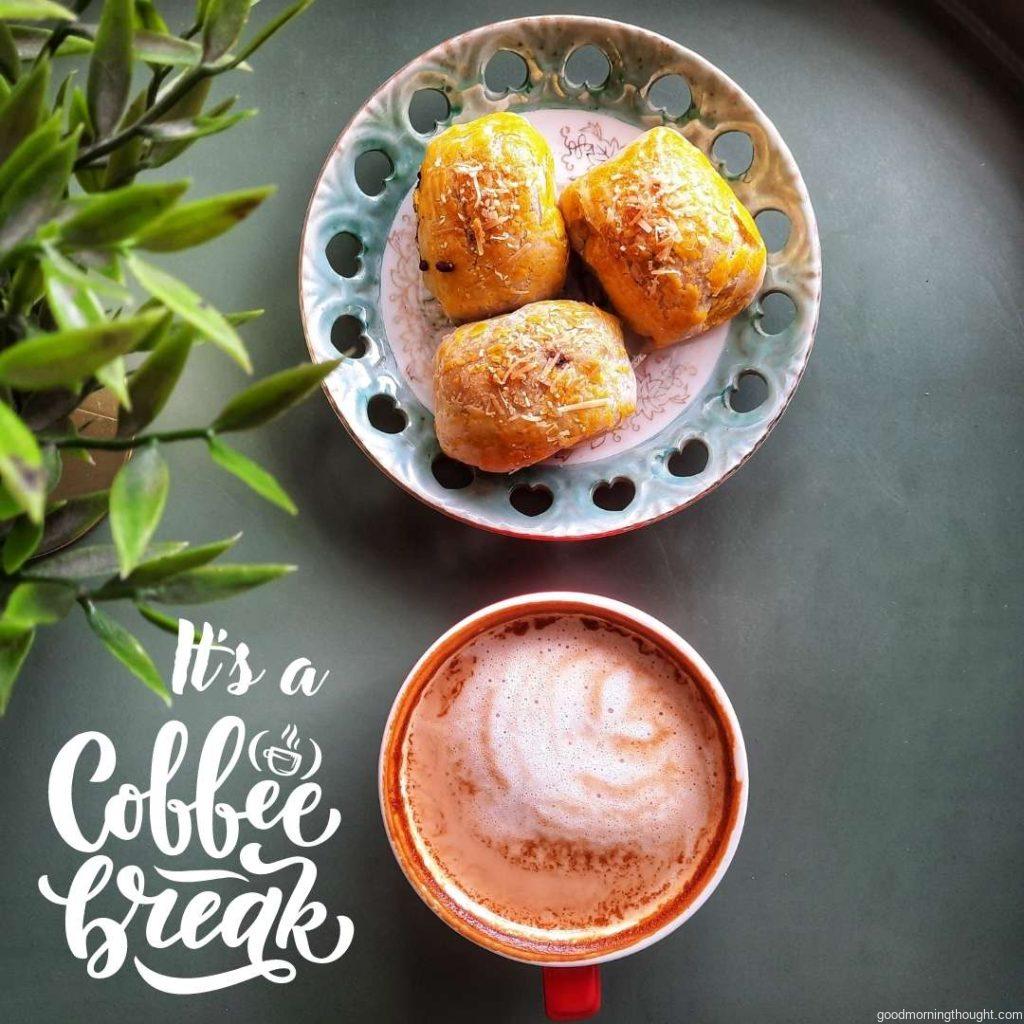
(572, 993)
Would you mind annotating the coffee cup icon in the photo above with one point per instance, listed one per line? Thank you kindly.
(285, 760)
(281, 761)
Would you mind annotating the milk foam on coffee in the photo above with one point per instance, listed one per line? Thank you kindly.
(564, 778)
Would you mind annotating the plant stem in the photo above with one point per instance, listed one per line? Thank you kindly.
(159, 74)
(57, 36)
(123, 443)
(190, 78)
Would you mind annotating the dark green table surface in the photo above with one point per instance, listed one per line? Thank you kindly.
(857, 586)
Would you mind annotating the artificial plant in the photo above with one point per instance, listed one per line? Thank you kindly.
(84, 305)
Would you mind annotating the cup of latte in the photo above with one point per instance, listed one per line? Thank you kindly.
(563, 781)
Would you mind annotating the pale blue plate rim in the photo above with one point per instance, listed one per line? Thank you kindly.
(638, 57)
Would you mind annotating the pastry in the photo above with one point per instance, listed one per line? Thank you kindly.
(674, 249)
(491, 237)
(514, 390)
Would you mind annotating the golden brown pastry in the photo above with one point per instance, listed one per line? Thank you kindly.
(491, 237)
(676, 252)
(514, 390)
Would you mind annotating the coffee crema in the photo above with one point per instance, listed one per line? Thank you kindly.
(561, 786)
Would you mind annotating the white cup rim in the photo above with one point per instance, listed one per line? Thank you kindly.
(535, 601)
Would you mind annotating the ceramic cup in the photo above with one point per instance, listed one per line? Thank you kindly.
(572, 985)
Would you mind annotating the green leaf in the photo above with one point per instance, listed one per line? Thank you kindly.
(267, 398)
(148, 17)
(9, 508)
(113, 375)
(156, 336)
(20, 543)
(73, 518)
(194, 223)
(37, 604)
(21, 464)
(110, 69)
(243, 316)
(127, 649)
(36, 193)
(137, 501)
(10, 61)
(74, 274)
(193, 128)
(168, 50)
(153, 382)
(125, 161)
(86, 562)
(78, 114)
(53, 466)
(34, 10)
(110, 217)
(60, 100)
(213, 583)
(73, 303)
(223, 22)
(163, 567)
(42, 140)
(10, 630)
(30, 41)
(27, 286)
(178, 297)
(70, 305)
(190, 104)
(23, 108)
(250, 473)
(168, 623)
(68, 357)
(13, 653)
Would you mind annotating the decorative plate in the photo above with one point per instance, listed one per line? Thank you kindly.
(360, 284)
